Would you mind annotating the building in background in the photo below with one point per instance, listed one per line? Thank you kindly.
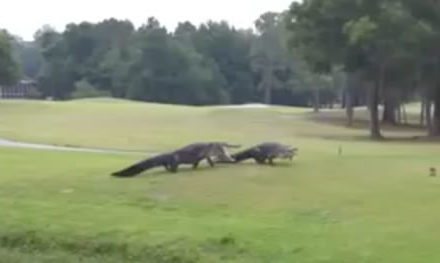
(24, 89)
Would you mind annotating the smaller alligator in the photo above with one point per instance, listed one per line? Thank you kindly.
(191, 154)
(267, 151)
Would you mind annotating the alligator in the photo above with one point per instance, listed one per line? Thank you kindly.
(267, 151)
(191, 154)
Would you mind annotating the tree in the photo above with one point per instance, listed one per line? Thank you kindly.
(427, 32)
(56, 78)
(228, 50)
(213, 63)
(8, 66)
(360, 35)
(83, 89)
(269, 53)
(166, 70)
(28, 56)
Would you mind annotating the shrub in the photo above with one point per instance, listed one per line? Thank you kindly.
(83, 89)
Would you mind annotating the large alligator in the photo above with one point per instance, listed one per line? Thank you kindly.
(267, 151)
(191, 154)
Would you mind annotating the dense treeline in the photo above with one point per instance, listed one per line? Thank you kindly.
(212, 63)
(390, 50)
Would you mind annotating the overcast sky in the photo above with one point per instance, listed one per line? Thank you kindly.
(24, 17)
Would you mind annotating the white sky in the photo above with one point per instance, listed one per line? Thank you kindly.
(25, 17)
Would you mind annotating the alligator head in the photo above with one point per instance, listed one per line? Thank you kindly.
(219, 152)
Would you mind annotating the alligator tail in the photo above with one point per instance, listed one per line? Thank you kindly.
(139, 167)
(245, 155)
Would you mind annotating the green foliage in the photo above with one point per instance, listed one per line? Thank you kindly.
(34, 93)
(166, 70)
(227, 51)
(360, 30)
(269, 54)
(213, 63)
(83, 89)
(9, 70)
(388, 43)
(28, 56)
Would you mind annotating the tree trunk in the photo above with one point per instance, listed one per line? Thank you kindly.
(268, 85)
(428, 116)
(405, 116)
(435, 131)
(389, 105)
(374, 113)
(352, 81)
(267, 95)
(374, 102)
(344, 97)
(349, 108)
(399, 114)
(316, 100)
(367, 100)
(389, 111)
(418, 86)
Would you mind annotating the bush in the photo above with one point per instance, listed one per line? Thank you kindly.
(83, 89)
(34, 93)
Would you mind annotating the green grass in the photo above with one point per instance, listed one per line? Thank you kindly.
(375, 203)
(128, 125)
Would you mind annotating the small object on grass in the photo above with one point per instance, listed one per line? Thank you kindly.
(432, 172)
(340, 150)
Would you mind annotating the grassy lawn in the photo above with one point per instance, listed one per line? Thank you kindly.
(139, 126)
(375, 203)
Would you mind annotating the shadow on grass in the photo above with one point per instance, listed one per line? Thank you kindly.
(160, 172)
(168, 252)
(386, 139)
(338, 120)
(399, 133)
(275, 165)
(190, 171)
(78, 248)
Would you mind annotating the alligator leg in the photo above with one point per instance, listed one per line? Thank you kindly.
(260, 160)
(173, 167)
(196, 164)
(211, 163)
(271, 161)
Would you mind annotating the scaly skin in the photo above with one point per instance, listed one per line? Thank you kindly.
(191, 154)
(266, 152)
